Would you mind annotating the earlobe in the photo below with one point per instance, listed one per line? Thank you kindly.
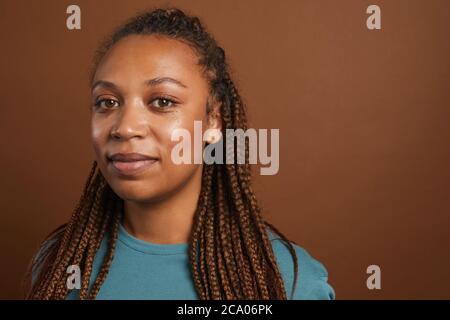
(214, 133)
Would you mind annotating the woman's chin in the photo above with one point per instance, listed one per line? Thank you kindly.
(136, 192)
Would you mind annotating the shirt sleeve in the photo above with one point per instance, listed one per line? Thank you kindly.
(312, 282)
(37, 268)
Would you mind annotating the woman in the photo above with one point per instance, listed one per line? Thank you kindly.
(147, 228)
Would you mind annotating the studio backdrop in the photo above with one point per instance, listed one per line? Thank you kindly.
(359, 91)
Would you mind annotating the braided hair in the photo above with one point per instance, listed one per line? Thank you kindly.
(230, 252)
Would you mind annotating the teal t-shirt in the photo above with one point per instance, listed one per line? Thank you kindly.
(143, 270)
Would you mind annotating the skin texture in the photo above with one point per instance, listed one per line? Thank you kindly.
(133, 117)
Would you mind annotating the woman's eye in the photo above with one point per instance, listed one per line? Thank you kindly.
(163, 103)
(106, 103)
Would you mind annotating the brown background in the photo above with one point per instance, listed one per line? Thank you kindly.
(363, 115)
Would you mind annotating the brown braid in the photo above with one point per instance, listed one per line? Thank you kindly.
(230, 252)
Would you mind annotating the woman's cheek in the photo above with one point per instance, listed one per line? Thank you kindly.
(98, 137)
(172, 170)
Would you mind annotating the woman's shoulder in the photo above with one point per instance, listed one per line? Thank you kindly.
(43, 252)
(312, 282)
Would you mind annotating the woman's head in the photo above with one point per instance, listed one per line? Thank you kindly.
(230, 253)
(158, 73)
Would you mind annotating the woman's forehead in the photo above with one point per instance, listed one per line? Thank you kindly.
(140, 57)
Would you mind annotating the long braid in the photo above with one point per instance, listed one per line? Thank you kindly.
(43, 286)
(101, 224)
(109, 255)
(60, 280)
(71, 239)
(248, 235)
(244, 177)
(244, 215)
(198, 223)
(61, 288)
(51, 256)
(228, 270)
(205, 289)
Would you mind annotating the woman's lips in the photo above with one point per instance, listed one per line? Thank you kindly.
(131, 168)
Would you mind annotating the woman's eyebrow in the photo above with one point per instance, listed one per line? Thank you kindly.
(103, 83)
(150, 82)
(155, 81)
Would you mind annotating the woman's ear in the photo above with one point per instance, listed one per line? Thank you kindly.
(214, 128)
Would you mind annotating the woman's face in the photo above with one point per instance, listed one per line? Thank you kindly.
(144, 88)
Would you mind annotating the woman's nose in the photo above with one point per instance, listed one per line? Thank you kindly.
(131, 122)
